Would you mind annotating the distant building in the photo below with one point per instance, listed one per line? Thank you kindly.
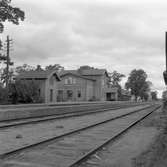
(125, 95)
(47, 81)
(85, 84)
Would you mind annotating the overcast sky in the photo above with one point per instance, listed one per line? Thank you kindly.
(112, 34)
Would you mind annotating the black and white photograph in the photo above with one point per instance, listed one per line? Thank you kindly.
(83, 83)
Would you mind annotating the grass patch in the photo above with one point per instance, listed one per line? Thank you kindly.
(156, 154)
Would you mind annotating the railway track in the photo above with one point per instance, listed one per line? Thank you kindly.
(73, 148)
(23, 106)
(27, 121)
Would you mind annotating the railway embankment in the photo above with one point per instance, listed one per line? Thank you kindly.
(156, 154)
(16, 112)
(39, 111)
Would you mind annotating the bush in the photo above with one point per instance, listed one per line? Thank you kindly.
(25, 92)
(164, 98)
(3, 95)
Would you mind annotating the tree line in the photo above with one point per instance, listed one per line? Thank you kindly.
(27, 92)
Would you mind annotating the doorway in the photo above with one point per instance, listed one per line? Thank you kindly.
(69, 95)
(51, 95)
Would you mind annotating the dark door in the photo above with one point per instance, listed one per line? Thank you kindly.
(51, 95)
(108, 96)
(60, 95)
(69, 95)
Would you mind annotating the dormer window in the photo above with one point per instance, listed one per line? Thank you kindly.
(70, 81)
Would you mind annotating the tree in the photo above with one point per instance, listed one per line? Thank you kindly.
(143, 92)
(3, 95)
(24, 68)
(138, 84)
(14, 15)
(116, 77)
(4, 75)
(39, 68)
(9, 13)
(154, 95)
(164, 98)
(25, 91)
(57, 67)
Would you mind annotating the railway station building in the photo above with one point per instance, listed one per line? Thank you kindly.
(83, 84)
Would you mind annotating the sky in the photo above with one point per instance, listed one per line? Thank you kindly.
(119, 35)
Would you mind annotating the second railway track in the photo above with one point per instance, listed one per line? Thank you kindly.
(36, 120)
(72, 148)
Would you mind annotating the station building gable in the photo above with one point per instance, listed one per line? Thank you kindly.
(73, 87)
(47, 81)
(92, 83)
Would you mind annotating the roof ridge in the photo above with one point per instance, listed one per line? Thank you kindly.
(79, 75)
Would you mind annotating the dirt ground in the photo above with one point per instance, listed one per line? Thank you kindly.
(156, 154)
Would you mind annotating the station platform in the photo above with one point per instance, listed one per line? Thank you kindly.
(13, 112)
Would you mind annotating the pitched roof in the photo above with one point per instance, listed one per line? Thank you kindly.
(85, 72)
(63, 72)
(94, 72)
(74, 73)
(37, 74)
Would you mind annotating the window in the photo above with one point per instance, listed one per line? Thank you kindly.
(69, 94)
(79, 93)
(60, 92)
(70, 80)
(66, 81)
(39, 92)
(60, 95)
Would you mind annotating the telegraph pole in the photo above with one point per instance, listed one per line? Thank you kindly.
(7, 59)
